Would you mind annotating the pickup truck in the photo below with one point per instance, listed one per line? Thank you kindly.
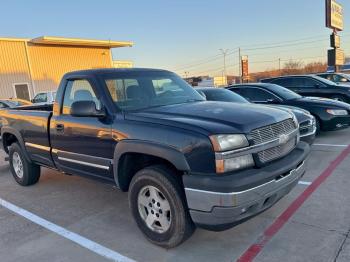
(184, 161)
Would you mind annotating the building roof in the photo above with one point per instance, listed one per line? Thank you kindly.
(63, 41)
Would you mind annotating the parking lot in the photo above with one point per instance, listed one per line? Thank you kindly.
(76, 219)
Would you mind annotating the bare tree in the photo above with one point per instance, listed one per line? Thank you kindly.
(292, 67)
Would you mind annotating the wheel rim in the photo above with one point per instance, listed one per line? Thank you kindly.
(154, 209)
(17, 164)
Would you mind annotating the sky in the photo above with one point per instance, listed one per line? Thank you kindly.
(185, 35)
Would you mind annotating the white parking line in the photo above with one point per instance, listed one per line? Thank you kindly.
(305, 183)
(80, 240)
(330, 145)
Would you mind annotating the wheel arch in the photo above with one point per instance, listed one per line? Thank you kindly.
(10, 136)
(131, 156)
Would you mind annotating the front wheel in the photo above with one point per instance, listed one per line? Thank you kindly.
(157, 202)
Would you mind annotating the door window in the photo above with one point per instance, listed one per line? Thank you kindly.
(257, 95)
(40, 98)
(78, 90)
(311, 83)
(285, 82)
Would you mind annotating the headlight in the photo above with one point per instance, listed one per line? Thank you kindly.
(234, 163)
(337, 112)
(228, 142)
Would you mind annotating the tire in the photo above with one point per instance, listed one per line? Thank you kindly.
(178, 225)
(318, 126)
(24, 172)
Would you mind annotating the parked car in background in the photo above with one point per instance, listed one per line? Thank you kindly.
(312, 85)
(307, 123)
(44, 97)
(338, 78)
(185, 161)
(329, 114)
(13, 102)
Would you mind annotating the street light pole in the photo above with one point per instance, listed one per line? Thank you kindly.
(279, 65)
(239, 65)
(224, 52)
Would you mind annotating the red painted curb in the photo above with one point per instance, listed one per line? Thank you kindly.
(255, 248)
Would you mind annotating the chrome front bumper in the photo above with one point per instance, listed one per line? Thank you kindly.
(219, 211)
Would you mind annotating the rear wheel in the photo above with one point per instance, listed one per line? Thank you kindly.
(157, 202)
(24, 172)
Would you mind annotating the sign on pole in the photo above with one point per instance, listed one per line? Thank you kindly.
(245, 69)
(336, 57)
(334, 15)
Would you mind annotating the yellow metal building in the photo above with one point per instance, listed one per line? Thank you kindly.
(30, 66)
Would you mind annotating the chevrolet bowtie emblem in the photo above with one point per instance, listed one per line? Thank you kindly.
(283, 139)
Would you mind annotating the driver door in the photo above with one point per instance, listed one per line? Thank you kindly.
(82, 145)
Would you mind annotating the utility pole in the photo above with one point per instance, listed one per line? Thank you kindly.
(279, 65)
(239, 65)
(224, 52)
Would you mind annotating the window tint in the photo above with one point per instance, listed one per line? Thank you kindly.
(78, 90)
(285, 82)
(340, 79)
(218, 94)
(311, 83)
(256, 94)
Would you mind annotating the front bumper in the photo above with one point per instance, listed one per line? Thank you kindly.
(231, 199)
(335, 122)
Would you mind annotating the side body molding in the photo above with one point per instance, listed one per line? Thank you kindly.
(172, 155)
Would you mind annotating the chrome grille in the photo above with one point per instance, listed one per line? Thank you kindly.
(277, 151)
(273, 132)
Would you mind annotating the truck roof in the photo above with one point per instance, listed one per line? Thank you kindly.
(114, 70)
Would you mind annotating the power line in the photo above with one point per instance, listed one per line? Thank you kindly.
(275, 45)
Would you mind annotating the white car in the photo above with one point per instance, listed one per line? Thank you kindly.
(47, 97)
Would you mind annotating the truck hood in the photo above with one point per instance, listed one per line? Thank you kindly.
(211, 117)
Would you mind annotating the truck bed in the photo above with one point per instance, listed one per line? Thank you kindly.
(33, 124)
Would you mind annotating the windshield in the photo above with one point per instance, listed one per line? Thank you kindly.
(282, 92)
(218, 94)
(144, 89)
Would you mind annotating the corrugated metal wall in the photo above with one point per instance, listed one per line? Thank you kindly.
(13, 67)
(49, 63)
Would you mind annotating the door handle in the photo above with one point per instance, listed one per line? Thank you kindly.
(60, 127)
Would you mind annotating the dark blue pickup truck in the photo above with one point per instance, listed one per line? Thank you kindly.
(185, 162)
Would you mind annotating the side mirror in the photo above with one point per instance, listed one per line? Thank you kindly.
(317, 86)
(86, 109)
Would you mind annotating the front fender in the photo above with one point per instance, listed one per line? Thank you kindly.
(165, 152)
